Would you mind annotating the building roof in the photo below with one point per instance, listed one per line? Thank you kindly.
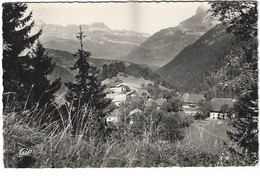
(192, 98)
(131, 92)
(134, 111)
(159, 102)
(217, 103)
(121, 84)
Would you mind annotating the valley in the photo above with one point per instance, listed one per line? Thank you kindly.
(130, 84)
(196, 50)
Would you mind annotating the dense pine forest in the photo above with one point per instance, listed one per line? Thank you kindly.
(63, 109)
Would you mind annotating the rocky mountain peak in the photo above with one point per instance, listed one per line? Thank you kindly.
(98, 27)
(202, 18)
(202, 9)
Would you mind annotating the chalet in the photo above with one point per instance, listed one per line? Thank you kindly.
(119, 88)
(216, 104)
(190, 103)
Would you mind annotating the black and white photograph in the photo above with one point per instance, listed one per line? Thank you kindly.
(129, 84)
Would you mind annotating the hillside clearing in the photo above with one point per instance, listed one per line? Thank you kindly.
(206, 135)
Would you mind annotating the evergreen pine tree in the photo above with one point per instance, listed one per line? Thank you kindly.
(241, 19)
(16, 39)
(86, 92)
(42, 91)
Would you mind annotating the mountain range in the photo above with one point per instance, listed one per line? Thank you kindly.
(164, 45)
(189, 54)
(102, 41)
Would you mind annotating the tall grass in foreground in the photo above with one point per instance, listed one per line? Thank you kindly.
(55, 146)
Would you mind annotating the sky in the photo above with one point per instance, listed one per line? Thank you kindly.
(140, 17)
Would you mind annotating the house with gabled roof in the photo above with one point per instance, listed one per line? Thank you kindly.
(216, 104)
(118, 88)
(190, 103)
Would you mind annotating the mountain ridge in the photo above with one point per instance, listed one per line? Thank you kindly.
(164, 45)
(102, 41)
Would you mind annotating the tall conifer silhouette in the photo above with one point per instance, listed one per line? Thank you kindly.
(86, 92)
(16, 38)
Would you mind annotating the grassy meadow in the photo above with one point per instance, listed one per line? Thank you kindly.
(57, 148)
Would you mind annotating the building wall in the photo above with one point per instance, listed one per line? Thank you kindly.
(219, 115)
(190, 112)
(112, 119)
(185, 106)
(118, 103)
(214, 115)
(116, 90)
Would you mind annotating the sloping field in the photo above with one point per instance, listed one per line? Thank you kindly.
(206, 135)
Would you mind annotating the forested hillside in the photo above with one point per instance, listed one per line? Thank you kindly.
(106, 68)
(194, 68)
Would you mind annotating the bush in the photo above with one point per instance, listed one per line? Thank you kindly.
(170, 126)
(172, 105)
(199, 116)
